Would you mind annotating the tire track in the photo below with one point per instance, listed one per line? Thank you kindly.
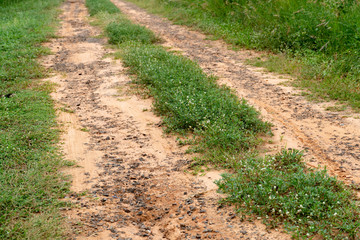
(129, 182)
(331, 139)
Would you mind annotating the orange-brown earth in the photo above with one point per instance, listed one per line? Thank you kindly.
(129, 182)
(330, 139)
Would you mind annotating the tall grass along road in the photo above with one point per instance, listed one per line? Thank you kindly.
(29, 161)
(320, 39)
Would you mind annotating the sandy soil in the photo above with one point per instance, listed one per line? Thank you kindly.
(331, 139)
(129, 182)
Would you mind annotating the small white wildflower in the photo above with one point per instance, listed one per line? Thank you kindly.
(335, 214)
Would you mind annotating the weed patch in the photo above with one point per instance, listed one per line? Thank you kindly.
(120, 32)
(279, 189)
(118, 28)
(95, 7)
(29, 161)
(190, 101)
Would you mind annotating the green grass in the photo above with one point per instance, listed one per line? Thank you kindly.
(279, 189)
(190, 101)
(96, 7)
(118, 28)
(124, 31)
(226, 130)
(277, 63)
(29, 159)
(321, 36)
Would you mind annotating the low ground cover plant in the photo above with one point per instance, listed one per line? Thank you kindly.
(96, 7)
(226, 130)
(30, 184)
(191, 101)
(124, 31)
(280, 189)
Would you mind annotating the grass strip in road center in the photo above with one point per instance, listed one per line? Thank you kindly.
(30, 184)
(278, 189)
(96, 7)
(190, 101)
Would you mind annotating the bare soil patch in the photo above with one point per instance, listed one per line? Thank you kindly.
(130, 181)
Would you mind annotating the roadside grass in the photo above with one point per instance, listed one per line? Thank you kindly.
(321, 36)
(226, 131)
(29, 158)
(279, 63)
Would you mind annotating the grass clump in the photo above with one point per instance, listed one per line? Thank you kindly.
(190, 101)
(124, 31)
(29, 160)
(280, 189)
(117, 27)
(95, 7)
(322, 36)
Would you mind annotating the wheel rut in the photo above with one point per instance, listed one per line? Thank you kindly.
(129, 180)
(330, 139)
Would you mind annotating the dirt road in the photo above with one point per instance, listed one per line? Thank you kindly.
(129, 182)
(331, 139)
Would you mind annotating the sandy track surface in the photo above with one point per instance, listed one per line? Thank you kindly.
(129, 182)
(330, 139)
